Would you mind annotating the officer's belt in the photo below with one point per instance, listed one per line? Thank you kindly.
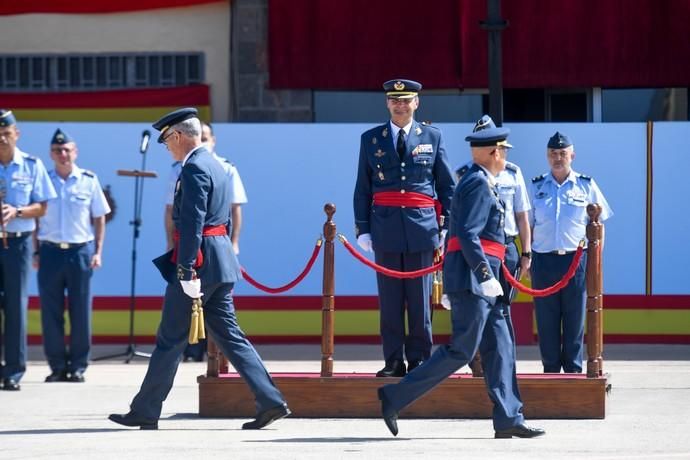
(14, 234)
(403, 199)
(559, 252)
(63, 245)
(492, 248)
(213, 230)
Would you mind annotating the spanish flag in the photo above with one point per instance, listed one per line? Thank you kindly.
(127, 105)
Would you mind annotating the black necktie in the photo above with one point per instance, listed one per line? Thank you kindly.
(400, 146)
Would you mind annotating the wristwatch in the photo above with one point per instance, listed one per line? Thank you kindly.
(527, 254)
(19, 212)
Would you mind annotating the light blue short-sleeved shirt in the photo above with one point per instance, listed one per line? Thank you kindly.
(513, 193)
(68, 217)
(24, 181)
(511, 190)
(559, 216)
(237, 191)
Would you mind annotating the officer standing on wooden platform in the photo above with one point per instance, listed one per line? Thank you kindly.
(402, 167)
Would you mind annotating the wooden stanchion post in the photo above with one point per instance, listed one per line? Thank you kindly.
(212, 366)
(595, 312)
(328, 300)
(222, 362)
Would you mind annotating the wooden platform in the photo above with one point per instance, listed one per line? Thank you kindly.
(558, 396)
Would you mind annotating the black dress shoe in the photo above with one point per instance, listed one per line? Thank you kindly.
(77, 377)
(57, 376)
(390, 416)
(393, 368)
(413, 364)
(267, 417)
(10, 385)
(132, 419)
(519, 431)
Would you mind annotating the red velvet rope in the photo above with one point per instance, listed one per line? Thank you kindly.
(388, 271)
(551, 289)
(292, 283)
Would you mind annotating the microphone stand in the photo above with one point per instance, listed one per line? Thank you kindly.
(131, 352)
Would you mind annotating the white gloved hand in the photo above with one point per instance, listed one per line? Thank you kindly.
(445, 301)
(491, 288)
(364, 242)
(442, 238)
(192, 288)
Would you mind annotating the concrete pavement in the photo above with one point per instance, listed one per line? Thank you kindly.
(648, 416)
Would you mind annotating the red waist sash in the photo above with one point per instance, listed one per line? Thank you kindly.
(492, 248)
(410, 199)
(213, 230)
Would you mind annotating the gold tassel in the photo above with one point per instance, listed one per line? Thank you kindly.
(194, 326)
(202, 326)
(437, 283)
(436, 289)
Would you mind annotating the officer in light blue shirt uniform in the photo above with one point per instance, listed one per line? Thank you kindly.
(513, 193)
(70, 248)
(559, 202)
(25, 188)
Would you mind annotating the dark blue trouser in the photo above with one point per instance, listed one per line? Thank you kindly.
(512, 259)
(394, 296)
(15, 263)
(69, 269)
(477, 325)
(221, 324)
(563, 311)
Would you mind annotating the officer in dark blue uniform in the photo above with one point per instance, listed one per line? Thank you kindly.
(403, 167)
(70, 246)
(470, 275)
(201, 264)
(559, 200)
(25, 188)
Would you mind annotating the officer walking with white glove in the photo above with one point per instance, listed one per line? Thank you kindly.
(470, 276)
(201, 264)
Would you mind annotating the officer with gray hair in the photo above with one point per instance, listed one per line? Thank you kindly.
(201, 267)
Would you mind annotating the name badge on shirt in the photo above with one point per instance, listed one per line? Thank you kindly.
(577, 199)
(423, 148)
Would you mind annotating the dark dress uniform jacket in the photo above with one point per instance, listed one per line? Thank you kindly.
(202, 197)
(476, 212)
(424, 169)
